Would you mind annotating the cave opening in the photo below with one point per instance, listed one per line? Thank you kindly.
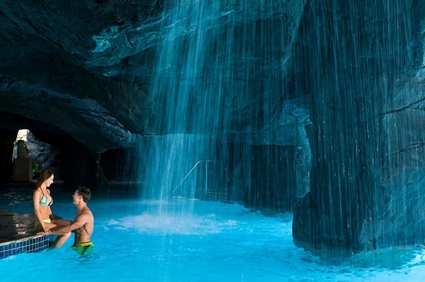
(29, 146)
(30, 156)
(203, 113)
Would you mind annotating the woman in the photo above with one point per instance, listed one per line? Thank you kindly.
(43, 201)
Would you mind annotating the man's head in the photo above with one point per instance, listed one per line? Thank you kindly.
(82, 194)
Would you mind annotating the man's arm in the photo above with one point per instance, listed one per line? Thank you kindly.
(78, 223)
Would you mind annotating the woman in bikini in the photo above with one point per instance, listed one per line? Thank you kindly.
(43, 201)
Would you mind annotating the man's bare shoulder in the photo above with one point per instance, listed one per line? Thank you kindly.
(87, 212)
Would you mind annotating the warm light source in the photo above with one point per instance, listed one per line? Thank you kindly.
(22, 135)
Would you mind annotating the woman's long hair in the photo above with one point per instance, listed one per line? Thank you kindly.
(44, 176)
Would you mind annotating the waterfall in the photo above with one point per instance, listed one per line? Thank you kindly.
(219, 80)
(188, 105)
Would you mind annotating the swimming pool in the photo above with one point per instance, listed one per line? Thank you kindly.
(185, 240)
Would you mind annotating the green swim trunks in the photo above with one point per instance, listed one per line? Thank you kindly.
(84, 248)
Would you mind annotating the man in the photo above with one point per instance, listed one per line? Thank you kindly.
(82, 225)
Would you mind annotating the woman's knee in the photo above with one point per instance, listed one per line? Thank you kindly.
(66, 235)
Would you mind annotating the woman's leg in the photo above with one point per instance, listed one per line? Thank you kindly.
(62, 239)
(43, 227)
(49, 226)
(61, 222)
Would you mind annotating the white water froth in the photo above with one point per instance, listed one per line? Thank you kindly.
(174, 224)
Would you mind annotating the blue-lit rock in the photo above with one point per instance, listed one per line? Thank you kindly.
(362, 62)
(47, 46)
(85, 119)
(318, 103)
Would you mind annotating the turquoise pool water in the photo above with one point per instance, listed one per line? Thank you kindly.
(187, 241)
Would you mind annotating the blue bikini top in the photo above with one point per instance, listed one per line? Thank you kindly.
(44, 201)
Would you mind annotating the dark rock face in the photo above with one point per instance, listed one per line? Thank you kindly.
(354, 144)
(91, 77)
(6, 149)
(41, 153)
(271, 183)
(46, 75)
(366, 137)
(73, 163)
(84, 119)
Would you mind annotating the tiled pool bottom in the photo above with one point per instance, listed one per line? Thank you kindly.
(157, 241)
(26, 245)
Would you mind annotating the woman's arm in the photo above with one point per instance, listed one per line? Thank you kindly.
(78, 223)
(36, 202)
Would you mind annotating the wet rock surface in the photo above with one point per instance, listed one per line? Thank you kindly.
(87, 66)
(339, 82)
(366, 136)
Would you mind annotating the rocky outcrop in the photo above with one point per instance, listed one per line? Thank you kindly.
(101, 71)
(44, 61)
(84, 119)
(366, 136)
(399, 213)
(333, 86)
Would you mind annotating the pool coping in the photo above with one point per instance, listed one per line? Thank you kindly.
(31, 244)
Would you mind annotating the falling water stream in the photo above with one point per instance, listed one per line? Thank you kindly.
(214, 85)
(312, 110)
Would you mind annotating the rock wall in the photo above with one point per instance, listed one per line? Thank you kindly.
(357, 66)
(356, 59)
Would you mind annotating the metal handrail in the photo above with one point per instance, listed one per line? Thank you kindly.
(189, 173)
